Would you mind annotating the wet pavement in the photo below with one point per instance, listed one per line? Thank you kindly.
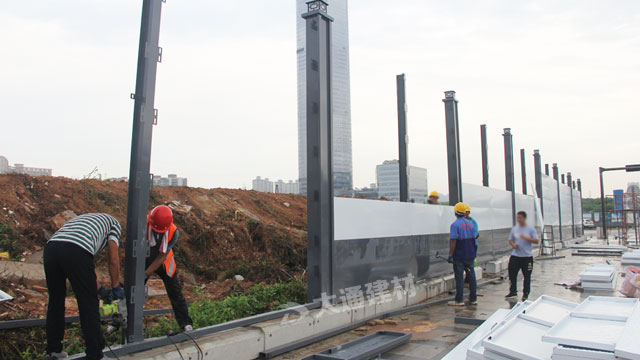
(433, 328)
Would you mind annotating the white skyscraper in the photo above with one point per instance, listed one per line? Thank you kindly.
(341, 85)
(388, 181)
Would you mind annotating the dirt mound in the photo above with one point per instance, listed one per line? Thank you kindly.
(223, 232)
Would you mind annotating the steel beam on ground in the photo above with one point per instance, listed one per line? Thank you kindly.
(144, 117)
(485, 155)
(319, 150)
(537, 163)
(403, 138)
(509, 170)
(453, 147)
(556, 175)
(523, 171)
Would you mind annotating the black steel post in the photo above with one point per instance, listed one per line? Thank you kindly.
(403, 139)
(523, 170)
(144, 116)
(556, 176)
(485, 155)
(453, 147)
(579, 184)
(562, 177)
(603, 214)
(546, 169)
(319, 151)
(509, 170)
(573, 218)
(537, 163)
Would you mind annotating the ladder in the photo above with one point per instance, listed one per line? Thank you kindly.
(548, 243)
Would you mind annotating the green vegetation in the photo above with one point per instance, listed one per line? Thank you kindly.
(595, 205)
(9, 241)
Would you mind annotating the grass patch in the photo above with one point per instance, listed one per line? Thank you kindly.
(9, 241)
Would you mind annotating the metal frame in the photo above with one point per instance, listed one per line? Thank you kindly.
(484, 146)
(403, 139)
(509, 170)
(319, 151)
(144, 117)
(627, 168)
(364, 350)
(453, 147)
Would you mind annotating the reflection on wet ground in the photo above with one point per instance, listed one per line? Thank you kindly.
(433, 328)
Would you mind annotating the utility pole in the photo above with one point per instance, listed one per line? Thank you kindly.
(319, 150)
(453, 147)
(485, 155)
(403, 139)
(509, 170)
(144, 117)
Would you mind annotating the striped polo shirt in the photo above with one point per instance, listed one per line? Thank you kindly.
(90, 231)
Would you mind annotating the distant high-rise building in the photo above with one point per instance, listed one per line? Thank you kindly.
(262, 185)
(387, 175)
(5, 168)
(341, 86)
(170, 180)
(291, 187)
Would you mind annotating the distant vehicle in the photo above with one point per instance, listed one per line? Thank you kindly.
(588, 224)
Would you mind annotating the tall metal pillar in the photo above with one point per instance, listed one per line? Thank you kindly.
(562, 176)
(403, 139)
(579, 184)
(453, 147)
(485, 155)
(546, 169)
(603, 214)
(509, 170)
(537, 164)
(523, 171)
(144, 116)
(573, 218)
(556, 175)
(319, 151)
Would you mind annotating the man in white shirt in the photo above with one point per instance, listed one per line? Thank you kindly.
(521, 239)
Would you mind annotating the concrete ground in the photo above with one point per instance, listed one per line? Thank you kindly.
(433, 328)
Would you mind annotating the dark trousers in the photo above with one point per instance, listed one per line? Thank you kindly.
(174, 291)
(517, 264)
(460, 268)
(62, 261)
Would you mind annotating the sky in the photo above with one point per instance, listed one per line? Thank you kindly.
(563, 75)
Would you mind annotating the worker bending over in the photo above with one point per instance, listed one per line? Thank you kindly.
(162, 235)
(69, 255)
(462, 252)
(520, 239)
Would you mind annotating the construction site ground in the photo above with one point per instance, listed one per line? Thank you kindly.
(434, 331)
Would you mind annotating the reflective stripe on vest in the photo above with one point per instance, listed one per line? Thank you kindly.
(170, 264)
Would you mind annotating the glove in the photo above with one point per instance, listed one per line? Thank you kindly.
(450, 260)
(105, 295)
(117, 293)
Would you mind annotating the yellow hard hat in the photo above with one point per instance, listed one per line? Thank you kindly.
(467, 207)
(460, 208)
(434, 194)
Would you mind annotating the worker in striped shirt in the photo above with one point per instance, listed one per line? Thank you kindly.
(69, 255)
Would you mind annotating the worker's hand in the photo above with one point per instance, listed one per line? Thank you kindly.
(105, 295)
(515, 246)
(117, 292)
(450, 260)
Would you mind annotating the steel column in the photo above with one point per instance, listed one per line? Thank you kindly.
(546, 169)
(403, 138)
(556, 175)
(509, 170)
(523, 171)
(537, 163)
(603, 214)
(579, 184)
(319, 151)
(573, 218)
(562, 177)
(453, 147)
(144, 116)
(485, 155)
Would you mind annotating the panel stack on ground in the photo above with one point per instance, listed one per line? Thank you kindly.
(599, 328)
(631, 258)
(599, 278)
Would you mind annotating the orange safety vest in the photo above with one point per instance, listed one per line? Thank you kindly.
(169, 263)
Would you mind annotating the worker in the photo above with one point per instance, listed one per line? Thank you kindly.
(476, 230)
(162, 236)
(462, 252)
(433, 198)
(69, 255)
(521, 238)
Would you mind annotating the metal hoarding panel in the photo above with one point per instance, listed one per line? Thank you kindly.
(550, 200)
(628, 346)
(520, 339)
(586, 333)
(548, 310)
(606, 308)
(566, 200)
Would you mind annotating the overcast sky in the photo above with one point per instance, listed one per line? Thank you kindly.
(564, 75)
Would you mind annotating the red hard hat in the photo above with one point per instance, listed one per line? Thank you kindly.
(161, 218)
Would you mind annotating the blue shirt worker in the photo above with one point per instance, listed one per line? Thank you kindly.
(521, 239)
(462, 252)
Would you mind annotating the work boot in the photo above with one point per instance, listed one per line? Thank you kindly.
(188, 328)
(57, 355)
(511, 295)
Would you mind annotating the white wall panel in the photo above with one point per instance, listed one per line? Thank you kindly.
(566, 200)
(550, 203)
